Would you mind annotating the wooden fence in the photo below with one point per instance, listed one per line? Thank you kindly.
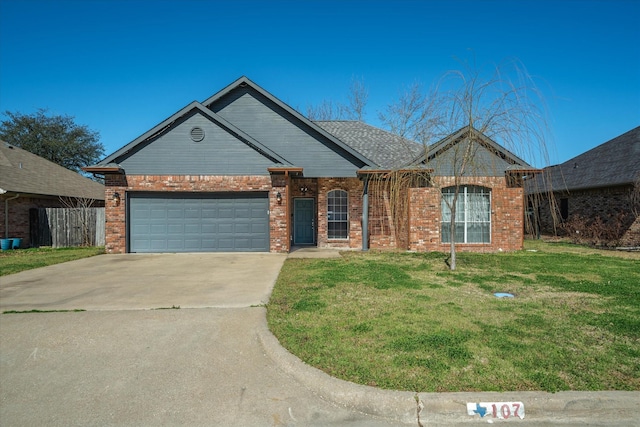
(64, 227)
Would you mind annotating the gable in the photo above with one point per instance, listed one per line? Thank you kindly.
(300, 142)
(487, 158)
(174, 152)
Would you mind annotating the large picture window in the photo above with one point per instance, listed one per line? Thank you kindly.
(473, 215)
(337, 214)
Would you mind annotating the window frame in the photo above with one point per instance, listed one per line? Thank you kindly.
(465, 216)
(340, 233)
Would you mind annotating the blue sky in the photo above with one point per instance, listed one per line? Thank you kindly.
(122, 66)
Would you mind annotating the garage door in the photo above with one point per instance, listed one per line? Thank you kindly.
(185, 222)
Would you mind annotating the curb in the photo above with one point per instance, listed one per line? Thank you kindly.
(604, 408)
(394, 405)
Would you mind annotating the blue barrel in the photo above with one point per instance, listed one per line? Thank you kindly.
(6, 244)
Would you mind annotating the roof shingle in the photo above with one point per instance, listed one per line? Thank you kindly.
(615, 162)
(26, 173)
(386, 149)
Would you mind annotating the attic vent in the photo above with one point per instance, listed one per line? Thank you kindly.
(197, 134)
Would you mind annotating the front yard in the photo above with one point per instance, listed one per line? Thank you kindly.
(15, 261)
(404, 321)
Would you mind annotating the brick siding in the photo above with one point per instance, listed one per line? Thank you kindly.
(423, 219)
(19, 215)
(609, 204)
(115, 212)
(353, 187)
(507, 217)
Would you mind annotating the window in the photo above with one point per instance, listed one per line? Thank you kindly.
(473, 215)
(337, 224)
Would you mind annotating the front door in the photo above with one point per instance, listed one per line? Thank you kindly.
(303, 222)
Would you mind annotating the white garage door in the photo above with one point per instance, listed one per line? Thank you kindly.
(188, 222)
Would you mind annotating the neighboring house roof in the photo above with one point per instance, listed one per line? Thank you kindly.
(26, 173)
(489, 157)
(615, 162)
(384, 148)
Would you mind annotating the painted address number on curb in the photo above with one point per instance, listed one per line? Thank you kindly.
(501, 410)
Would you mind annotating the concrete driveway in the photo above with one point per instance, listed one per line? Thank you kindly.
(123, 363)
(145, 281)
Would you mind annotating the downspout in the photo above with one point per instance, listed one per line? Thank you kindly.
(365, 214)
(6, 214)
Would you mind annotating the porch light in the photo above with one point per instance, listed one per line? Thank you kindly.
(279, 197)
(116, 198)
(304, 190)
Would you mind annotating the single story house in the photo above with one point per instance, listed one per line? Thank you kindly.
(28, 181)
(243, 171)
(593, 193)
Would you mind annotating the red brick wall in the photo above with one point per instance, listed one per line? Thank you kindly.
(611, 205)
(353, 186)
(507, 217)
(115, 227)
(278, 213)
(424, 209)
(19, 215)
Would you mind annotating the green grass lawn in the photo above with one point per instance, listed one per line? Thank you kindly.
(404, 321)
(14, 261)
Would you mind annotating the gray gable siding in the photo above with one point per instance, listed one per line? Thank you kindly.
(175, 153)
(484, 162)
(277, 129)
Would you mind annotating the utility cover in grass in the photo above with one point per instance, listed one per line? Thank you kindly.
(503, 295)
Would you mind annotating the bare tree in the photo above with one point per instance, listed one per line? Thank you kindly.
(504, 105)
(81, 208)
(414, 115)
(507, 107)
(331, 110)
(358, 97)
(326, 110)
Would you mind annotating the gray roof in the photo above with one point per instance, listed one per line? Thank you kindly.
(26, 173)
(616, 162)
(204, 109)
(387, 150)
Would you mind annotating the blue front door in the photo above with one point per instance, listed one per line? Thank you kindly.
(303, 222)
